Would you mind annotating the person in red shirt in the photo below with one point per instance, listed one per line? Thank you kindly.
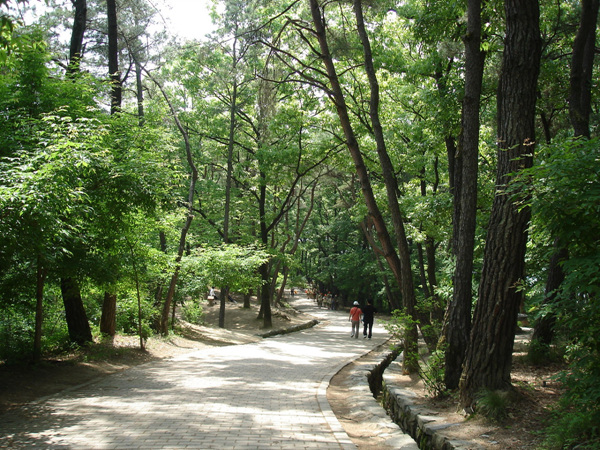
(355, 314)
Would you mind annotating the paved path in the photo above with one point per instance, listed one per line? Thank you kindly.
(271, 394)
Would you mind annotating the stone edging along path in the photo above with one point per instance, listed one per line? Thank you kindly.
(378, 373)
(395, 415)
(425, 426)
(365, 381)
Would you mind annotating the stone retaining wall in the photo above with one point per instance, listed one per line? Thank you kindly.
(423, 425)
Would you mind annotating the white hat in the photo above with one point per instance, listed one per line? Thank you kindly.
(355, 303)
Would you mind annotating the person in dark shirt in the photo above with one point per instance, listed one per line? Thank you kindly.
(368, 316)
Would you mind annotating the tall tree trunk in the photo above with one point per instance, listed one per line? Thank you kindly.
(139, 299)
(388, 250)
(113, 57)
(337, 96)
(109, 306)
(265, 300)
(39, 309)
(139, 88)
(428, 274)
(365, 227)
(264, 269)
(543, 331)
(488, 359)
(582, 65)
(426, 261)
(78, 31)
(247, 298)
(222, 304)
(452, 152)
(108, 319)
(422, 274)
(164, 321)
(230, 145)
(299, 227)
(159, 288)
(281, 290)
(457, 324)
(77, 321)
(437, 310)
(409, 300)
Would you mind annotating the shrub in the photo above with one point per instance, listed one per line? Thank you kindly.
(432, 368)
(539, 354)
(17, 323)
(16, 335)
(493, 404)
(192, 312)
(572, 428)
(127, 316)
(577, 416)
(397, 326)
(564, 193)
(432, 372)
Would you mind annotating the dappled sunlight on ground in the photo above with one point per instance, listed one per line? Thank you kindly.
(260, 395)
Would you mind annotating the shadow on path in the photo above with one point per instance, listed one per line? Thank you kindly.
(269, 394)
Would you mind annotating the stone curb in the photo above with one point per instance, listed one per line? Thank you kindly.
(424, 425)
(366, 407)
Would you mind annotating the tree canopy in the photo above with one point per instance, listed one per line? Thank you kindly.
(439, 158)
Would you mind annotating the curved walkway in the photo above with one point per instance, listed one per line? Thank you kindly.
(270, 394)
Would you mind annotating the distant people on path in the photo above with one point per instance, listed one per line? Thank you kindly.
(211, 296)
(368, 317)
(327, 301)
(334, 303)
(355, 314)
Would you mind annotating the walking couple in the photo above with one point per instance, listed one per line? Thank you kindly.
(367, 314)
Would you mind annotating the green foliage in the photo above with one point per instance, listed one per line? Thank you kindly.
(432, 372)
(228, 265)
(17, 323)
(127, 316)
(572, 428)
(16, 330)
(398, 326)
(565, 197)
(427, 306)
(539, 354)
(577, 415)
(431, 367)
(7, 27)
(192, 312)
(85, 193)
(336, 257)
(493, 404)
(77, 186)
(55, 336)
